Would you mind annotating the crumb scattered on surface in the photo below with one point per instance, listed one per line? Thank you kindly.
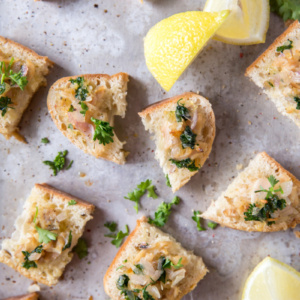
(249, 122)
(239, 167)
(297, 234)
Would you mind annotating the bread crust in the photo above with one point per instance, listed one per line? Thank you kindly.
(272, 47)
(266, 228)
(32, 296)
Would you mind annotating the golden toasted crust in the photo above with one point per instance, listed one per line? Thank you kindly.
(272, 47)
(32, 296)
(160, 105)
(22, 48)
(44, 187)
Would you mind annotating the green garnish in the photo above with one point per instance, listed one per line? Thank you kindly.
(285, 47)
(185, 163)
(120, 267)
(4, 105)
(6, 73)
(84, 108)
(163, 212)
(81, 248)
(69, 165)
(27, 264)
(70, 126)
(72, 202)
(297, 100)
(181, 112)
(273, 203)
(118, 238)
(112, 226)
(168, 181)
(188, 138)
(212, 225)
(137, 193)
(45, 140)
(270, 83)
(71, 109)
(103, 132)
(196, 217)
(122, 281)
(69, 243)
(287, 9)
(138, 269)
(59, 162)
(166, 263)
(81, 91)
(146, 295)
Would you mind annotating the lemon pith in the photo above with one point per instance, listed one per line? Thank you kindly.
(172, 44)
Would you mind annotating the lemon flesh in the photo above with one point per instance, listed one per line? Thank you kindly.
(272, 280)
(172, 44)
(247, 23)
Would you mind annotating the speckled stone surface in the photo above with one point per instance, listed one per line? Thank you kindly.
(83, 36)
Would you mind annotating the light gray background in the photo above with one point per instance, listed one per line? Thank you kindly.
(80, 38)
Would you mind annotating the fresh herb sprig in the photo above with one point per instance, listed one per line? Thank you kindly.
(4, 105)
(81, 249)
(181, 112)
(103, 132)
(137, 193)
(287, 9)
(273, 204)
(59, 162)
(117, 237)
(285, 47)
(185, 163)
(188, 138)
(196, 217)
(163, 212)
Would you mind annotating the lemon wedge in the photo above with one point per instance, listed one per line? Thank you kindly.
(173, 43)
(247, 23)
(272, 280)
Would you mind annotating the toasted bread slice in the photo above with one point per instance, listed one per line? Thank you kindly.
(50, 210)
(276, 72)
(230, 207)
(32, 66)
(105, 98)
(160, 119)
(32, 296)
(141, 258)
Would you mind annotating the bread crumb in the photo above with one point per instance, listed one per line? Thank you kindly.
(34, 287)
(297, 234)
(239, 167)
(249, 122)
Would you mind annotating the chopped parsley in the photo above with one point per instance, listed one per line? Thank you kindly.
(45, 140)
(163, 212)
(59, 162)
(188, 138)
(81, 91)
(185, 163)
(69, 243)
(285, 47)
(287, 9)
(70, 126)
(138, 269)
(72, 202)
(212, 225)
(118, 237)
(146, 295)
(137, 193)
(112, 226)
(122, 282)
(69, 165)
(27, 264)
(6, 73)
(4, 105)
(168, 181)
(71, 109)
(81, 248)
(196, 217)
(84, 108)
(270, 83)
(166, 263)
(103, 132)
(181, 112)
(297, 100)
(257, 213)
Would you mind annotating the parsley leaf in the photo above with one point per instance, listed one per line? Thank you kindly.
(81, 91)
(185, 163)
(69, 243)
(137, 193)
(72, 202)
(287, 9)
(138, 269)
(81, 248)
(71, 109)
(4, 105)
(84, 107)
(27, 264)
(297, 100)
(59, 162)
(103, 132)
(19, 79)
(212, 225)
(112, 226)
(197, 219)
(122, 282)
(2, 88)
(163, 212)
(146, 295)
(118, 238)
(45, 140)
(168, 181)
(45, 236)
(285, 47)
(181, 112)
(188, 138)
